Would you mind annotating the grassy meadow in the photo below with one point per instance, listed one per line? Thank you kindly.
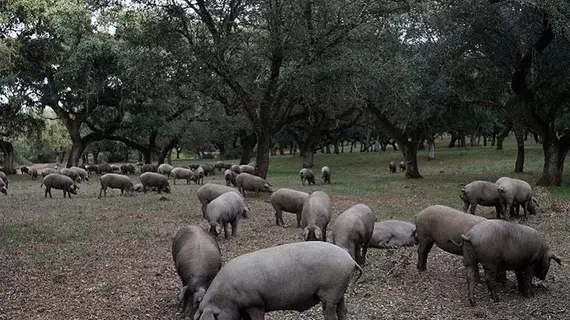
(109, 258)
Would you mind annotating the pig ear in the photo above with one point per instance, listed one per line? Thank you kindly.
(556, 258)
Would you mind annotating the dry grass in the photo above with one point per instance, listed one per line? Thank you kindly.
(85, 258)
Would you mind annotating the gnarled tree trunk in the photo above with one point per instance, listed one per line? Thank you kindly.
(520, 137)
(248, 142)
(503, 134)
(8, 151)
(263, 151)
(410, 152)
(555, 152)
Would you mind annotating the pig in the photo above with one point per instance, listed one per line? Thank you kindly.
(115, 168)
(352, 231)
(83, 174)
(61, 182)
(443, 226)
(288, 200)
(402, 166)
(392, 167)
(230, 177)
(115, 181)
(227, 166)
(4, 177)
(211, 191)
(392, 234)
(246, 168)
(193, 166)
(501, 245)
(479, 192)
(24, 170)
(197, 260)
(198, 176)
(3, 187)
(149, 168)
(514, 192)
(105, 168)
(93, 168)
(293, 276)
(224, 210)
(127, 169)
(33, 173)
(235, 168)
(307, 175)
(47, 171)
(316, 215)
(153, 179)
(209, 170)
(74, 175)
(325, 175)
(138, 187)
(219, 165)
(249, 182)
(181, 173)
(165, 169)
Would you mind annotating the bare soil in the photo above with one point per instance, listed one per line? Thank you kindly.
(89, 258)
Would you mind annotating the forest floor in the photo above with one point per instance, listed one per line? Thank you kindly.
(109, 258)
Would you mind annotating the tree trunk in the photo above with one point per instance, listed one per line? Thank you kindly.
(247, 142)
(77, 148)
(140, 157)
(147, 156)
(462, 143)
(410, 152)
(167, 150)
(178, 150)
(328, 148)
(351, 146)
(336, 150)
(341, 146)
(484, 141)
(96, 157)
(520, 137)
(453, 140)
(431, 148)
(503, 134)
(494, 139)
(262, 160)
(554, 156)
(8, 151)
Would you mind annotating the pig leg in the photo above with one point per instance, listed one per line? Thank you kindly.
(234, 227)
(520, 280)
(525, 209)
(501, 276)
(490, 276)
(473, 207)
(341, 310)
(498, 208)
(298, 220)
(470, 274)
(278, 216)
(527, 276)
(423, 249)
(508, 209)
(226, 233)
(357, 254)
(204, 206)
(329, 310)
(466, 206)
(364, 251)
(325, 234)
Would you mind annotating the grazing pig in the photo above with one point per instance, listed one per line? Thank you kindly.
(514, 192)
(293, 276)
(48, 171)
(197, 260)
(352, 231)
(316, 215)
(115, 168)
(227, 166)
(33, 173)
(165, 169)
(501, 245)
(211, 191)
(193, 166)
(249, 182)
(209, 170)
(230, 177)
(443, 226)
(4, 177)
(325, 175)
(181, 173)
(246, 168)
(83, 174)
(24, 170)
(93, 168)
(127, 169)
(219, 165)
(288, 200)
(74, 175)
(3, 187)
(138, 187)
(105, 168)
(153, 179)
(402, 166)
(149, 168)
(198, 176)
(224, 210)
(115, 181)
(307, 175)
(235, 168)
(392, 234)
(479, 192)
(392, 167)
(61, 182)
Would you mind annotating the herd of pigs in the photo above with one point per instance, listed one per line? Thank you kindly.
(297, 276)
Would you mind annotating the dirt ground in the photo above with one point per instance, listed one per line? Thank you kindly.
(89, 258)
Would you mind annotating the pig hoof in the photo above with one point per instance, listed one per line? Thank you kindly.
(472, 302)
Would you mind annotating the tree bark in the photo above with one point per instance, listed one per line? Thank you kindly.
(307, 157)
(453, 140)
(494, 139)
(248, 142)
(431, 148)
(336, 149)
(262, 160)
(503, 134)
(555, 153)
(167, 150)
(520, 137)
(410, 152)
(8, 151)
